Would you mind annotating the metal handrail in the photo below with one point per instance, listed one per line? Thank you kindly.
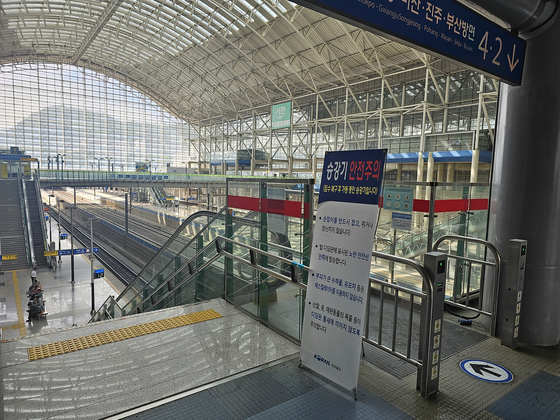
(42, 216)
(27, 222)
(261, 268)
(429, 287)
(104, 310)
(182, 283)
(497, 264)
(171, 239)
(427, 294)
(423, 365)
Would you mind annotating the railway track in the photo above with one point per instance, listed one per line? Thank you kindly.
(113, 262)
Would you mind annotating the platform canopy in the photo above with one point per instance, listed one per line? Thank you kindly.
(201, 58)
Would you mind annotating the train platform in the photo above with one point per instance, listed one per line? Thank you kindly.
(67, 304)
(210, 360)
(184, 210)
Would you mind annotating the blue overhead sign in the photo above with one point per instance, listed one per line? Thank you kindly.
(14, 157)
(84, 250)
(441, 27)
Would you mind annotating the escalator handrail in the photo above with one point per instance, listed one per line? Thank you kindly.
(27, 222)
(172, 239)
(202, 213)
(219, 252)
(41, 211)
(197, 270)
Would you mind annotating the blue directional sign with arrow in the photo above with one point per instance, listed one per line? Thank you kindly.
(69, 251)
(486, 371)
(440, 27)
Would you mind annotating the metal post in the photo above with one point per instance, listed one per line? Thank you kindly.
(431, 324)
(72, 240)
(393, 252)
(430, 238)
(91, 257)
(125, 218)
(59, 231)
(50, 222)
(263, 292)
(509, 308)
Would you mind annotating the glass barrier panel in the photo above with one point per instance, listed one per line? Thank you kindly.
(284, 304)
(183, 249)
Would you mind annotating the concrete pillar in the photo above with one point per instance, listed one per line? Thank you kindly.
(440, 172)
(419, 218)
(419, 174)
(314, 167)
(399, 171)
(290, 166)
(429, 173)
(450, 173)
(525, 195)
(474, 165)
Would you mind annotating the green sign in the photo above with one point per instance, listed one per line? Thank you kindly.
(281, 115)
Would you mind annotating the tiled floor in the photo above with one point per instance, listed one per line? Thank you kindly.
(67, 304)
(105, 380)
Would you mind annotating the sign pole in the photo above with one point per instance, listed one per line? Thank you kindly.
(91, 257)
(72, 242)
(59, 230)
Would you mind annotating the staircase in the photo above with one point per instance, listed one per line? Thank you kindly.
(12, 236)
(37, 216)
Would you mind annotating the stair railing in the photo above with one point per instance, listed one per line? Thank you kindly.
(26, 222)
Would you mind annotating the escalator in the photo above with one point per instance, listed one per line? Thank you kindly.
(189, 269)
(37, 222)
(412, 244)
(156, 196)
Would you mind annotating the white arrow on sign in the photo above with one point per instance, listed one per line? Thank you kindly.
(511, 59)
(486, 371)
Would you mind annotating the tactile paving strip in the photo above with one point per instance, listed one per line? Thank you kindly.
(93, 340)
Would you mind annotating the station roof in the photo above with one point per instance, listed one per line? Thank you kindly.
(201, 59)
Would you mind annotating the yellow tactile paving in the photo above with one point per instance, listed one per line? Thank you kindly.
(93, 340)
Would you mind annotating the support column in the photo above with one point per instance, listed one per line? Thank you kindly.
(419, 173)
(525, 197)
(419, 219)
(450, 173)
(474, 165)
(399, 171)
(314, 167)
(429, 173)
(441, 172)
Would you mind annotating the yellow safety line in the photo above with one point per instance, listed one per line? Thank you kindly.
(21, 321)
(94, 340)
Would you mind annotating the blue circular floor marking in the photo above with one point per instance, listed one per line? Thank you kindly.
(486, 371)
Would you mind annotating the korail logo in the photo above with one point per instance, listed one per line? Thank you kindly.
(322, 359)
